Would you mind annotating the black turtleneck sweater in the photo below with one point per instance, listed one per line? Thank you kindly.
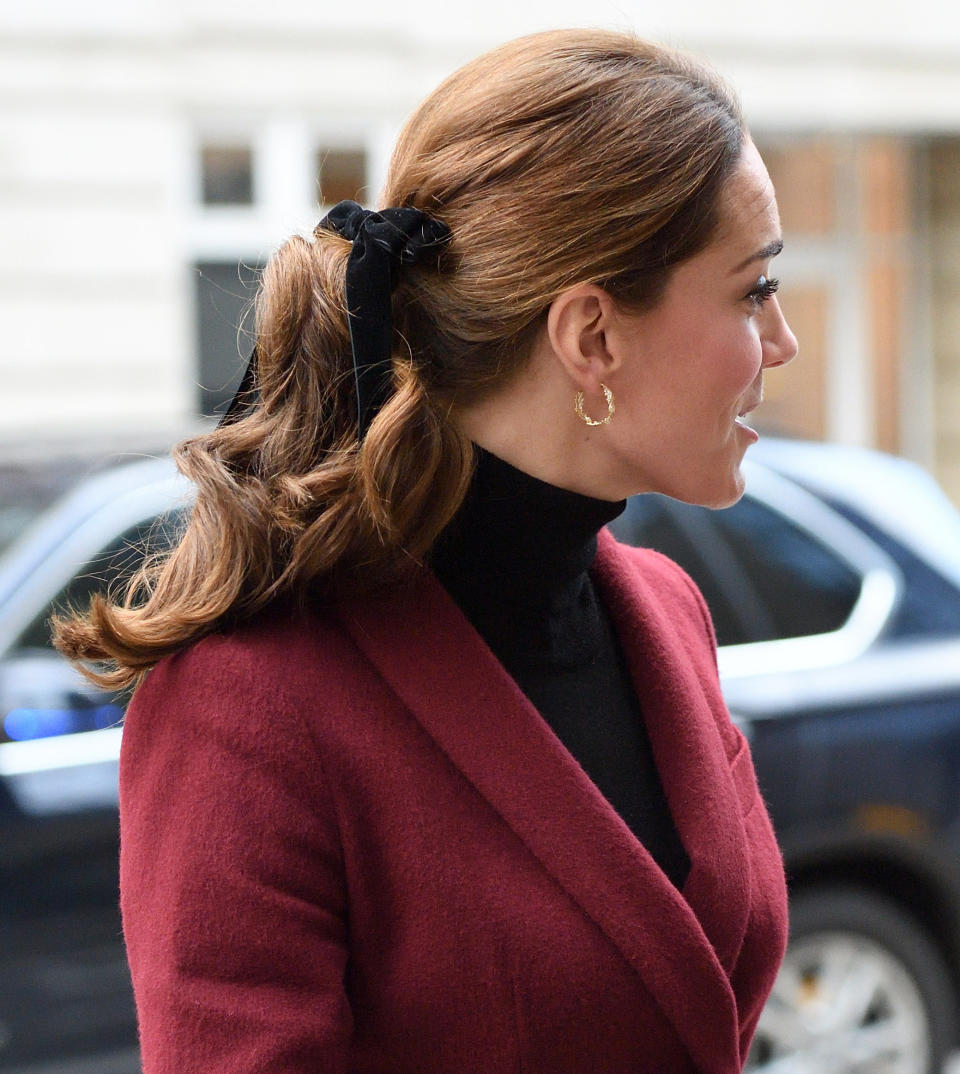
(516, 559)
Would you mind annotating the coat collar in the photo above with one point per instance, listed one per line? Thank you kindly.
(683, 946)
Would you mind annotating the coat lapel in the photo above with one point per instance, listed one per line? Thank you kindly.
(444, 673)
(681, 699)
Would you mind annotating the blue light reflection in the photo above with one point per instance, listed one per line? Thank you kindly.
(23, 724)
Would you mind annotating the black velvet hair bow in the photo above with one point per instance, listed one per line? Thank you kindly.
(383, 241)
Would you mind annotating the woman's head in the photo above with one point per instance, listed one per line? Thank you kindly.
(564, 158)
(576, 159)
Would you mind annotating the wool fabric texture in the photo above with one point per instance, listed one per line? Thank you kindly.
(349, 843)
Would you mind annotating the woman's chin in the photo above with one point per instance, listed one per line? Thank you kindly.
(716, 493)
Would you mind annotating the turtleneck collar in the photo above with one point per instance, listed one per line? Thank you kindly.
(529, 539)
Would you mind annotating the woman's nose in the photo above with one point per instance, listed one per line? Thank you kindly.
(779, 343)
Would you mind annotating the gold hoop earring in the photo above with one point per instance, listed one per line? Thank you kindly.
(578, 407)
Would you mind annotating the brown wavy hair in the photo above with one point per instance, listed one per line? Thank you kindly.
(560, 158)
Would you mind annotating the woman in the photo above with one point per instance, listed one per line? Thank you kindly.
(428, 773)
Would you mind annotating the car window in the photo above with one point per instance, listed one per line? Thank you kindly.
(763, 576)
(803, 584)
(108, 571)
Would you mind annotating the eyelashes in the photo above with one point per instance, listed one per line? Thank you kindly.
(763, 290)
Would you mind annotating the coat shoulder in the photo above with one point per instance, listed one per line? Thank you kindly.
(283, 663)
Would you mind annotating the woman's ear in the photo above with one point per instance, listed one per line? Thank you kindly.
(577, 324)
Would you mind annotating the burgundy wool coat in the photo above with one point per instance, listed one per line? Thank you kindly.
(351, 844)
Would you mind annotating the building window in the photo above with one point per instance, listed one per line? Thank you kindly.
(341, 175)
(227, 174)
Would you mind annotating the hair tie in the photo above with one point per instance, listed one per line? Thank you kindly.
(383, 240)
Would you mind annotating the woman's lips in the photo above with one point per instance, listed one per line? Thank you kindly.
(740, 423)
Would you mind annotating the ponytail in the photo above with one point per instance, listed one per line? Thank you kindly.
(287, 494)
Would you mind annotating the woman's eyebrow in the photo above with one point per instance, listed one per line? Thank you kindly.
(770, 250)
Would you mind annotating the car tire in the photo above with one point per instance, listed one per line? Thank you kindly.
(862, 988)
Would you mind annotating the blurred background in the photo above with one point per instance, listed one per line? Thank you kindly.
(153, 153)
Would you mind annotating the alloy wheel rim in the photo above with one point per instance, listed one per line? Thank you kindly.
(842, 1004)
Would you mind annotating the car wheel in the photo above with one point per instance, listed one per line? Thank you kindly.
(862, 990)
